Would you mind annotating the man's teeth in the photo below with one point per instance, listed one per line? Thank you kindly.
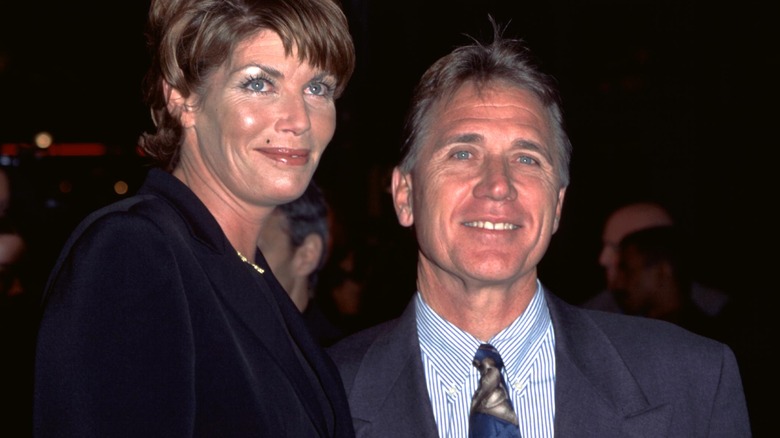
(491, 226)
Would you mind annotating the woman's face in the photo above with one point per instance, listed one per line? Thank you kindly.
(259, 131)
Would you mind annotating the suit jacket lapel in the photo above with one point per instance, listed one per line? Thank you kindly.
(390, 398)
(595, 394)
(325, 372)
(251, 303)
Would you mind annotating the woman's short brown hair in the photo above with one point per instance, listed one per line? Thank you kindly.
(190, 39)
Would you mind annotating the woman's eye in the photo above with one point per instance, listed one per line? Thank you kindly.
(320, 89)
(257, 85)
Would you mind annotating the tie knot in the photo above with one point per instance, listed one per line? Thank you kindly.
(486, 354)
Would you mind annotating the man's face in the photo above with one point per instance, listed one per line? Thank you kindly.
(621, 223)
(636, 282)
(483, 196)
(12, 247)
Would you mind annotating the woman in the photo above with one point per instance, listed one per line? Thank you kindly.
(160, 318)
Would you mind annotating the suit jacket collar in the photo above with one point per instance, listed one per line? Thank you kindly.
(201, 223)
(595, 393)
(393, 383)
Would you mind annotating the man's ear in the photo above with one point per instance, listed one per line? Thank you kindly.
(307, 255)
(559, 209)
(178, 105)
(402, 197)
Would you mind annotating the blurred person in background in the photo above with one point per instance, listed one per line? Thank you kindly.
(654, 280)
(19, 311)
(624, 220)
(5, 192)
(295, 241)
(161, 316)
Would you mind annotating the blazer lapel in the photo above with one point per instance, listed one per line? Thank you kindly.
(245, 295)
(246, 305)
(390, 398)
(251, 304)
(595, 394)
(326, 375)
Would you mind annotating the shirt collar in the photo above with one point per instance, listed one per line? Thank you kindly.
(451, 350)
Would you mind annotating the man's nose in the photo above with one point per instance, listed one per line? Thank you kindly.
(496, 181)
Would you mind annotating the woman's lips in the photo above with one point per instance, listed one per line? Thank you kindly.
(293, 157)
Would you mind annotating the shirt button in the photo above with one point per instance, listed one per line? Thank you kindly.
(452, 391)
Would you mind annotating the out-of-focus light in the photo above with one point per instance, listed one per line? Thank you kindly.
(65, 186)
(43, 140)
(120, 187)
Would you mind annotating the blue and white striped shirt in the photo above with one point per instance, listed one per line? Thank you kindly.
(527, 347)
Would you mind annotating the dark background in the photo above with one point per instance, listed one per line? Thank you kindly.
(670, 99)
(666, 98)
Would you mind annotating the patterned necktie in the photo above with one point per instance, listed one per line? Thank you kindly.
(491, 415)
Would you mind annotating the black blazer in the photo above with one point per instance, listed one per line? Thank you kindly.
(153, 327)
(616, 376)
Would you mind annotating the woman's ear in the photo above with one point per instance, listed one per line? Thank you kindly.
(178, 105)
(402, 197)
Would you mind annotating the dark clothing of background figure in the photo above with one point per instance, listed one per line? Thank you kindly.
(710, 301)
(322, 328)
(616, 376)
(175, 336)
(18, 323)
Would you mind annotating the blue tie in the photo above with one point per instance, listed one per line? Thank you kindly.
(491, 415)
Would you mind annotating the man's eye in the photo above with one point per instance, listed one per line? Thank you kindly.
(525, 159)
(462, 155)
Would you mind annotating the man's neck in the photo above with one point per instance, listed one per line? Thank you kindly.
(482, 313)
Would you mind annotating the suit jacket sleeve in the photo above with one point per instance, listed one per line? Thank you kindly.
(729, 415)
(114, 342)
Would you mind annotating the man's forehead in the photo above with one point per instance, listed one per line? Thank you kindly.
(634, 218)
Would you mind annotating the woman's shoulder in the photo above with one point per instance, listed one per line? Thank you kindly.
(129, 214)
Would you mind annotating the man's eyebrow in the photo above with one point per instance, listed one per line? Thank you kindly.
(468, 137)
(533, 146)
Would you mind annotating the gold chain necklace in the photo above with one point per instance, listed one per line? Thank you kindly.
(246, 260)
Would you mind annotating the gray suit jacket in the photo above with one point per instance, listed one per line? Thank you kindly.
(616, 376)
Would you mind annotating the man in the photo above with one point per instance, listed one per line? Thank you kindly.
(654, 280)
(5, 192)
(624, 220)
(483, 176)
(295, 243)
